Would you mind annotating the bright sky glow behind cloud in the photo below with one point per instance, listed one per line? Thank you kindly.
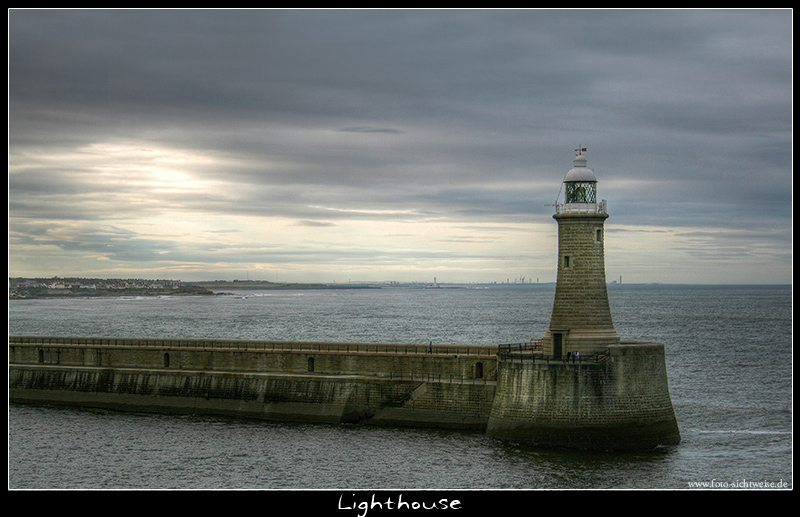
(353, 145)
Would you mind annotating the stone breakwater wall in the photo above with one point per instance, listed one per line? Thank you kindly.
(617, 400)
(426, 386)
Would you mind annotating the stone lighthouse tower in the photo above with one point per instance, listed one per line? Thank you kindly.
(617, 399)
(581, 319)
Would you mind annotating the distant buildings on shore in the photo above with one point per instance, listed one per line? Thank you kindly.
(91, 283)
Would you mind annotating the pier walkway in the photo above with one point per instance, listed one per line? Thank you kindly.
(259, 345)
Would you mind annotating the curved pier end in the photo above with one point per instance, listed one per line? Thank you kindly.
(618, 400)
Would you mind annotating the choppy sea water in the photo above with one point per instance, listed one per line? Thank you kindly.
(729, 362)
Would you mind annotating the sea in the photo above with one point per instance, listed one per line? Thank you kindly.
(728, 359)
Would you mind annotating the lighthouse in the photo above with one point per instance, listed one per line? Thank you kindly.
(617, 398)
(581, 319)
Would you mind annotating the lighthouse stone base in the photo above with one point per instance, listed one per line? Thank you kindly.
(619, 401)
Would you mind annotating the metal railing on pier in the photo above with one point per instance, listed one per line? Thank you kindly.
(532, 345)
(532, 352)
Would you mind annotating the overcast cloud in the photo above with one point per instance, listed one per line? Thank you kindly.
(336, 145)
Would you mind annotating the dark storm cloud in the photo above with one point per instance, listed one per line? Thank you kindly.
(467, 114)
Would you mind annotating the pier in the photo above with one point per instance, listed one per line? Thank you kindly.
(579, 386)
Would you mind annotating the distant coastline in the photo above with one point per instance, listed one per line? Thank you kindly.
(64, 288)
(43, 292)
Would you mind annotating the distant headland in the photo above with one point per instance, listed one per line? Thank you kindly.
(58, 287)
(74, 287)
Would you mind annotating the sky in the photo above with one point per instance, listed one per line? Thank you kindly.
(396, 145)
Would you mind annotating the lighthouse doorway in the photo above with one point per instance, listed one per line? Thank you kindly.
(558, 344)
